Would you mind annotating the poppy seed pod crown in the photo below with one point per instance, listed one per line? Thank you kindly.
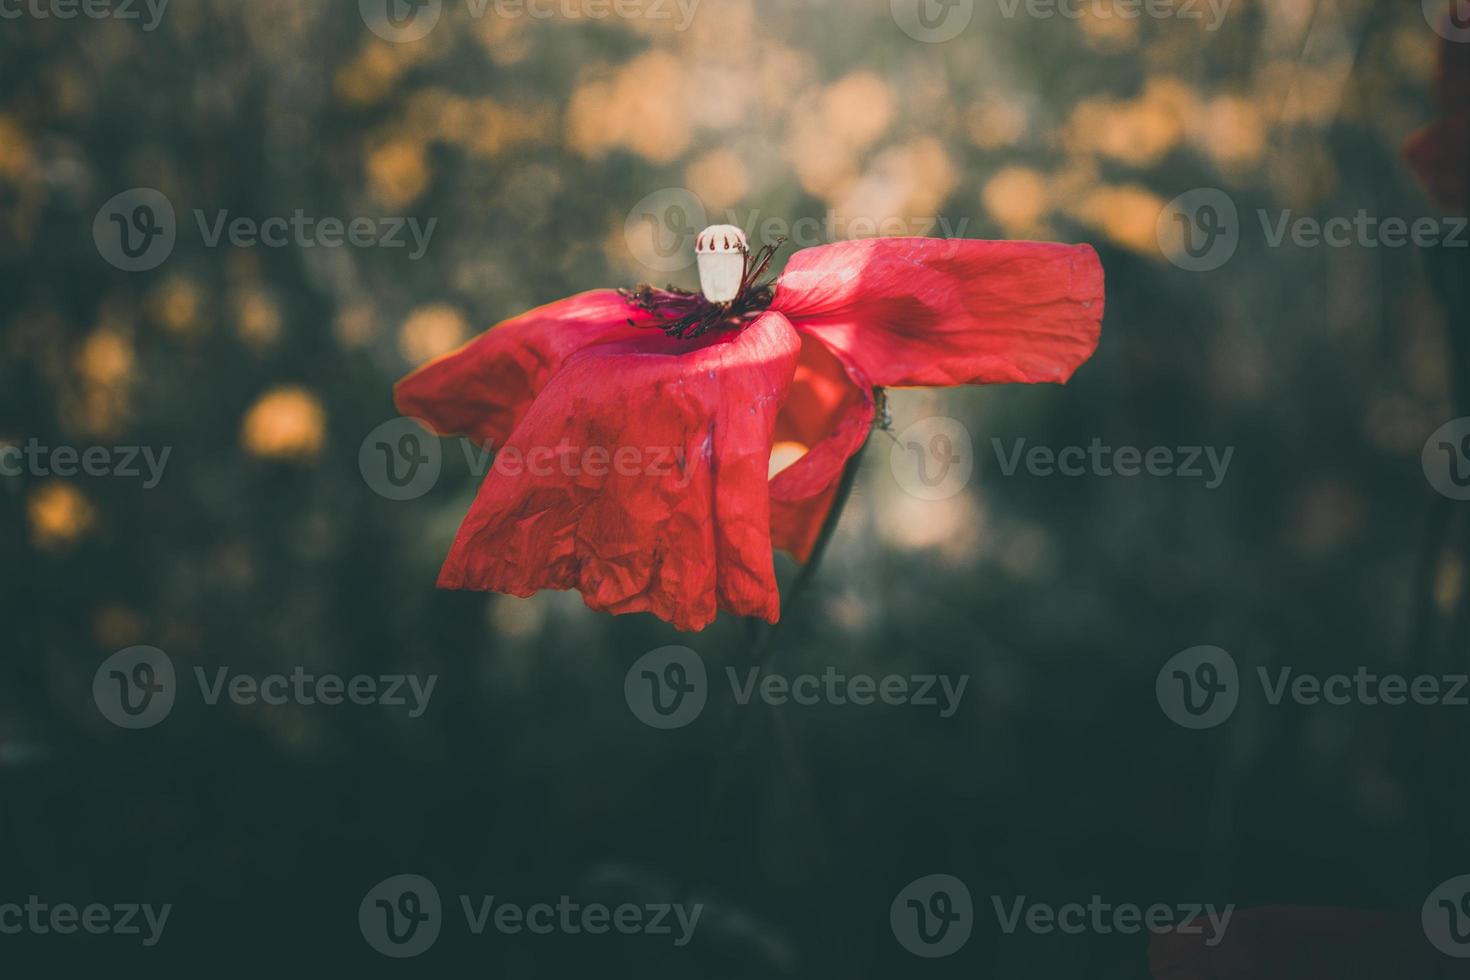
(721, 250)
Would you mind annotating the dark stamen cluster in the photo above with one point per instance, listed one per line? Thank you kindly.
(685, 315)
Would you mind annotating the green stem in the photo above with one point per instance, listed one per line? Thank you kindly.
(762, 638)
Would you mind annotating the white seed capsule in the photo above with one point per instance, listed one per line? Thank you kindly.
(720, 250)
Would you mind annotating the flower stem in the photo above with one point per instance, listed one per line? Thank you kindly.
(762, 638)
(766, 633)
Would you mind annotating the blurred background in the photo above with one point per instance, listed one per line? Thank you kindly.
(530, 142)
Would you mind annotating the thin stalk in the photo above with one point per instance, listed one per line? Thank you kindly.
(763, 638)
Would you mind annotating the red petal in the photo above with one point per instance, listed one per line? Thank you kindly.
(1287, 943)
(1440, 155)
(830, 411)
(483, 389)
(684, 531)
(930, 311)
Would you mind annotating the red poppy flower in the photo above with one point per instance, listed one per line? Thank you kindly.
(1440, 152)
(653, 413)
(1294, 943)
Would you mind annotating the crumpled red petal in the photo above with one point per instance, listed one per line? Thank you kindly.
(682, 533)
(1296, 943)
(484, 388)
(830, 411)
(1440, 155)
(927, 311)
